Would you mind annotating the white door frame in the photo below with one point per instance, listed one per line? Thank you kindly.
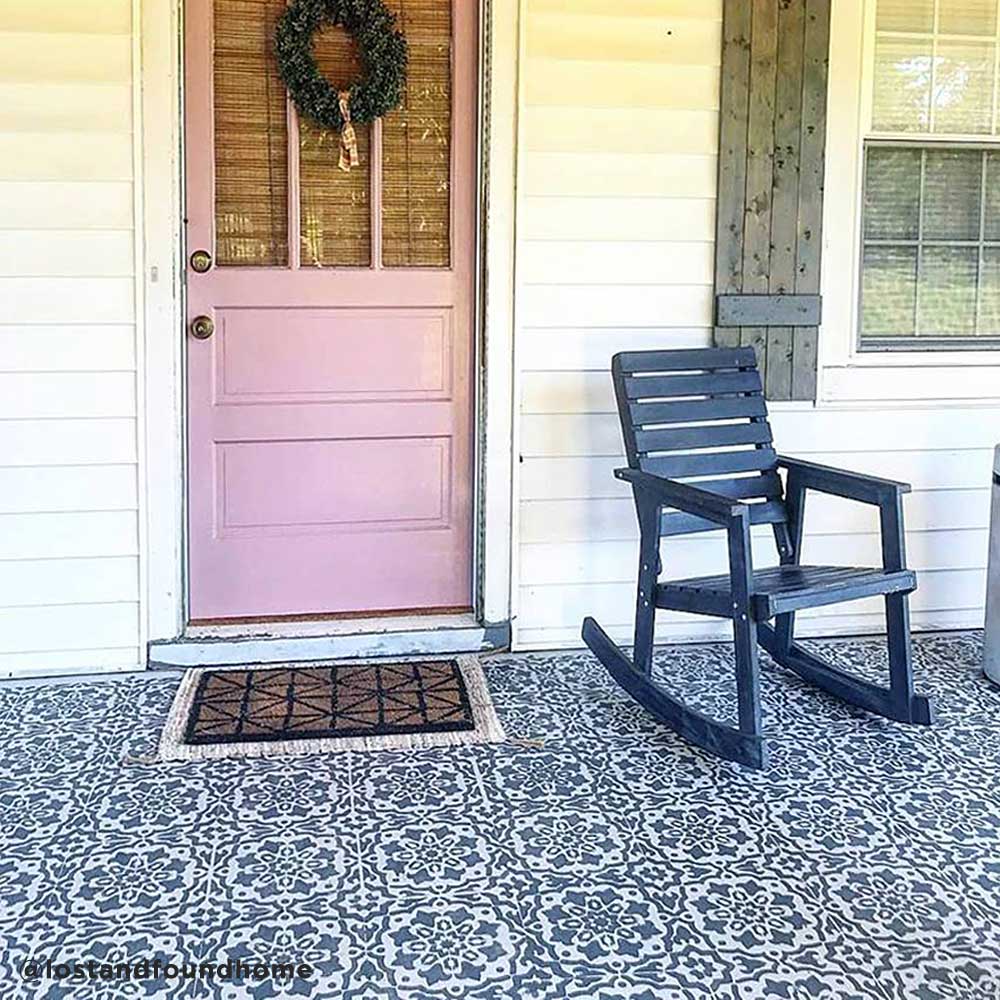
(160, 202)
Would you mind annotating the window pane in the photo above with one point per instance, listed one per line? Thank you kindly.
(905, 15)
(963, 88)
(991, 216)
(892, 194)
(251, 136)
(952, 183)
(947, 304)
(889, 291)
(989, 308)
(968, 17)
(336, 207)
(902, 85)
(416, 144)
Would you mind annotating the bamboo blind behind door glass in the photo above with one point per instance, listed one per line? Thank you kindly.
(251, 136)
(336, 207)
(416, 157)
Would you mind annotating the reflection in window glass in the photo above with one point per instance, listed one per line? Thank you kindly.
(952, 185)
(935, 79)
(967, 17)
(889, 292)
(946, 291)
(902, 99)
(905, 15)
(892, 194)
(963, 88)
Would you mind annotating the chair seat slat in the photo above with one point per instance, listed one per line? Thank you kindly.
(713, 436)
(699, 359)
(707, 384)
(688, 410)
(780, 589)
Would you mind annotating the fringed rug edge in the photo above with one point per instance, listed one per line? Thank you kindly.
(173, 749)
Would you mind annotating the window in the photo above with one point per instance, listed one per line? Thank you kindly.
(931, 215)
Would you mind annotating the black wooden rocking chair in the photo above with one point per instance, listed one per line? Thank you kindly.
(700, 415)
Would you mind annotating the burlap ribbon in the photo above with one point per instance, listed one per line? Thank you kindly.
(348, 140)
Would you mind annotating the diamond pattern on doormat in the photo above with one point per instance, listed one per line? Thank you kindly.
(271, 710)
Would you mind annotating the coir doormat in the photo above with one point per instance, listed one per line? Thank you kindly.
(285, 709)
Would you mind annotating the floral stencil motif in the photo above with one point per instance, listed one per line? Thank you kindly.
(451, 949)
(607, 926)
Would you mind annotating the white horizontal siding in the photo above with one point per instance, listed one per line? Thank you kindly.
(616, 231)
(69, 537)
(66, 205)
(68, 488)
(68, 254)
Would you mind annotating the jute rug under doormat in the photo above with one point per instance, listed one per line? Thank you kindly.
(285, 709)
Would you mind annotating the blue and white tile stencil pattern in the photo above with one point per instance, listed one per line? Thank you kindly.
(599, 857)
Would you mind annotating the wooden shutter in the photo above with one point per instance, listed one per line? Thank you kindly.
(772, 143)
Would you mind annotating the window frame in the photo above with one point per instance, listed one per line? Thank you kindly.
(846, 372)
(922, 141)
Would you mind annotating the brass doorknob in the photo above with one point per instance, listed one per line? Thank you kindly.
(202, 327)
(201, 261)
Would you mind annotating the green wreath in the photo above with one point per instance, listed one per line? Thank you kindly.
(381, 46)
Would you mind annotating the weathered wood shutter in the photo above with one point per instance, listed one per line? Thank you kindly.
(771, 149)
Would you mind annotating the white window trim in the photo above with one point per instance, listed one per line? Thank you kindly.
(846, 371)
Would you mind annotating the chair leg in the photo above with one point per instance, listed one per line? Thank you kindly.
(747, 674)
(784, 631)
(744, 628)
(908, 707)
(645, 601)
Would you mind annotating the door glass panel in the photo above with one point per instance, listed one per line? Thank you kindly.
(336, 208)
(416, 144)
(251, 137)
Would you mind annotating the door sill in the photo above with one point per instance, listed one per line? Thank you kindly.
(238, 643)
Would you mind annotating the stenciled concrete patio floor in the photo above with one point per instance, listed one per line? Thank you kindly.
(594, 855)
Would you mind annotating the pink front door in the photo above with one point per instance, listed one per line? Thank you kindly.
(330, 410)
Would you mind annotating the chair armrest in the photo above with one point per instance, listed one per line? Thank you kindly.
(842, 482)
(681, 496)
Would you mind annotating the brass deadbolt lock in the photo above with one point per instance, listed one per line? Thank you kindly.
(201, 261)
(202, 327)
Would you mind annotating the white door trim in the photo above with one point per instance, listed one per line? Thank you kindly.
(162, 474)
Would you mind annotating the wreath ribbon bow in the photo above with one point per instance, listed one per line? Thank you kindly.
(348, 139)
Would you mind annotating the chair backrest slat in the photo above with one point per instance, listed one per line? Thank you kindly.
(702, 436)
(677, 523)
(693, 359)
(688, 410)
(700, 416)
(715, 463)
(765, 487)
(712, 384)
